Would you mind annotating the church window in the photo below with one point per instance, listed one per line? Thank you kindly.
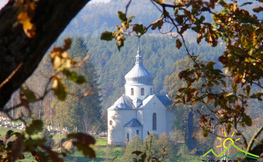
(132, 91)
(137, 132)
(128, 137)
(151, 91)
(154, 121)
(142, 91)
(110, 122)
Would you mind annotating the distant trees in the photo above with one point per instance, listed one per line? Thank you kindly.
(82, 114)
(28, 32)
(135, 144)
(240, 29)
(154, 147)
(156, 51)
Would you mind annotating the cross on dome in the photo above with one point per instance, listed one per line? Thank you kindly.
(139, 74)
(138, 57)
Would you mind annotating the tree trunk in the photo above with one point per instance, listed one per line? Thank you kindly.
(20, 55)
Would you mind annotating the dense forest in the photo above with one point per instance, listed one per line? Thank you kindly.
(105, 71)
(158, 57)
(159, 52)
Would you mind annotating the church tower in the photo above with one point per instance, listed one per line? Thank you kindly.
(139, 110)
(139, 82)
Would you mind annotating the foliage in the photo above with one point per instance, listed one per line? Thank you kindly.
(49, 138)
(41, 147)
(25, 142)
(156, 51)
(81, 112)
(134, 144)
(241, 31)
(153, 148)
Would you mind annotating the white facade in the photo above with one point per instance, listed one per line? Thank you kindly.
(138, 111)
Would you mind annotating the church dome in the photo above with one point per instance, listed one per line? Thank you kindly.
(139, 74)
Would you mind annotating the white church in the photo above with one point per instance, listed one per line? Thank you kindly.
(139, 110)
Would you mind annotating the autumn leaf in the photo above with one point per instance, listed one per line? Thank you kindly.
(28, 27)
(17, 147)
(59, 87)
(178, 43)
(137, 152)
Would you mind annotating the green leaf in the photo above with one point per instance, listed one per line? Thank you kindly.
(73, 76)
(248, 120)
(158, 23)
(178, 43)
(139, 29)
(143, 157)
(210, 65)
(130, 19)
(202, 18)
(29, 143)
(204, 132)
(9, 145)
(35, 127)
(60, 89)
(248, 88)
(8, 134)
(234, 86)
(87, 151)
(228, 128)
(122, 16)
(30, 95)
(107, 35)
(246, 3)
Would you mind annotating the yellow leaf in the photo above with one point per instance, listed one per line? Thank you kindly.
(54, 83)
(159, 1)
(57, 62)
(28, 27)
(209, 99)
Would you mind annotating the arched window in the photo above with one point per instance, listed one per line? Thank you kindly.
(154, 121)
(128, 137)
(151, 91)
(132, 91)
(142, 92)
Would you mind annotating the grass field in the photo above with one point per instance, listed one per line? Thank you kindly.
(103, 151)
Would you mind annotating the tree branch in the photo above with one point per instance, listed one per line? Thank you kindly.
(50, 19)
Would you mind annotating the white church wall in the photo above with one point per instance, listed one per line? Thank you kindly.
(137, 90)
(154, 106)
(128, 134)
(132, 132)
(116, 121)
(140, 115)
(169, 122)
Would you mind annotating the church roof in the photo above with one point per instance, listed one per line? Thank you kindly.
(133, 123)
(164, 99)
(139, 74)
(123, 103)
